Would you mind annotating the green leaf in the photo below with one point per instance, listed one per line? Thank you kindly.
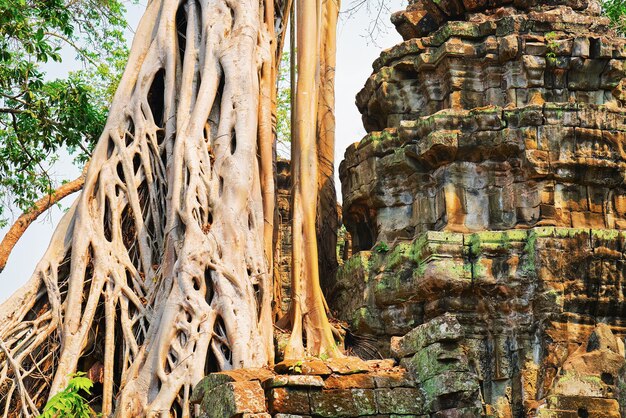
(53, 116)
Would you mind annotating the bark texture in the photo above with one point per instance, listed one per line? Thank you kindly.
(162, 256)
(308, 314)
(327, 216)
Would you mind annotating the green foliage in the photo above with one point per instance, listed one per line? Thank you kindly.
(342, 237)
(40, 117)
(69, 403)
(551, 45)
(283, 106)
(381, 247)
(616, 11)
(296, 368)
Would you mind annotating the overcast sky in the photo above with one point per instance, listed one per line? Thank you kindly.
(355, 54)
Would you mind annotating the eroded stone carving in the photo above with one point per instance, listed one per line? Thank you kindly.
(493, 170)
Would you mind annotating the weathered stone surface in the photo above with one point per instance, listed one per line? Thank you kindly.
(500, 272)
(282, 259)
(295, 381)
(290, 416)
(214, 380)
(425, 16)
(400, 401)
(443, 329)
(436, 359)
(384, 364)
(343, 403)
(361, 380)
(312, 366)
(469, 412)
(397, 377)
(450, 390)
(524, 174)
(493, 170)
(580, 406)
(287, 400)
(347, 365)
(234, 398)
(383, 392)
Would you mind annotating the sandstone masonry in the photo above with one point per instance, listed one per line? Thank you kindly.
(493, 173)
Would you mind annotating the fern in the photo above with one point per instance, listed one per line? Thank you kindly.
(69, 403)
(381, 247)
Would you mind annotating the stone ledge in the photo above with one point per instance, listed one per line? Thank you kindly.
(424, 16)
(511, 263)
(354, 388)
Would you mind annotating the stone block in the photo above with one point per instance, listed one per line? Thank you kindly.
(592, 407)
(296, 381)
(361, 380)
(440, 329)
(234, 398)
(312, 366)
(343, 403)
(347, 365)
(400, 401)
(291, 416)
(214, 380)
(384, 364)
(451, 389)
(581, 47)
(436, 359)
(470, 412)
(393, 378)
(288, 400)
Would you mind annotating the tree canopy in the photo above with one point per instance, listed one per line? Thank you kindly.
(616, 11)
(40, 116)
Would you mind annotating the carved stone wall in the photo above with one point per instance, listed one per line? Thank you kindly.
(511, 118)
(493, 172)
(282, 255)
(437, 378)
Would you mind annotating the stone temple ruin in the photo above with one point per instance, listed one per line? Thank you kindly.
(487, 210)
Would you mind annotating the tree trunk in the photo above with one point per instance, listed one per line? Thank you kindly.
(160, 271)
(162, 256)
(308, 310)
(327, 217)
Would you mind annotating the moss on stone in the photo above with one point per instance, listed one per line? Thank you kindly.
(359, 262)
(529, 267)
(606, 234)
(398, 255)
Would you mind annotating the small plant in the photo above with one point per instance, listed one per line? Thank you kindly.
(69, 403)
(552, 46)
(381, 247)
(296, 368)
(323, 356)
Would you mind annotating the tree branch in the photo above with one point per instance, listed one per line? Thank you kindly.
(23, 222)
(11, 110)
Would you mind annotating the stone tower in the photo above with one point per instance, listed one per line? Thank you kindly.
(491, 186)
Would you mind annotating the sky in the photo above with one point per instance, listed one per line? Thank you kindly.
(356, 51)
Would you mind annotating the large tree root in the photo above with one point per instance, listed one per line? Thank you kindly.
(157, 274)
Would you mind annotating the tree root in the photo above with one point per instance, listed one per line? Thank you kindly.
(157, 273)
